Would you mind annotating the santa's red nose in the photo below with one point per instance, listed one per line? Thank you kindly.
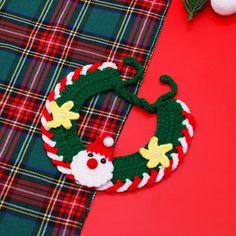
(92, 163)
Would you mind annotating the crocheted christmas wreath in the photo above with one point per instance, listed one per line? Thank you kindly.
(94, 165)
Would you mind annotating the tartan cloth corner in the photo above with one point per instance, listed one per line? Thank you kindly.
(42, 41)
(55, 205)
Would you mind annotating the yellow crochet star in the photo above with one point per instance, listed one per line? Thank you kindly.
(156, 154)
(62, 115)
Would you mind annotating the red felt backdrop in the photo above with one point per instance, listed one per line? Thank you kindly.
(200, 197)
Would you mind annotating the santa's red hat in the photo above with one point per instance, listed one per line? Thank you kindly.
(102, 145)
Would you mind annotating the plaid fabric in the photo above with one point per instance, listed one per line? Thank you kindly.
(41, 41)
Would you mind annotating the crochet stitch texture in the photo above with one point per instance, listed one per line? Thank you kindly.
(175, 125)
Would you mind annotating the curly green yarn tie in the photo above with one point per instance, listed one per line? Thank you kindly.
(141, 102)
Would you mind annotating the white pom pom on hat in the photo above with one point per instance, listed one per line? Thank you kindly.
(108, 141)
(102, 145)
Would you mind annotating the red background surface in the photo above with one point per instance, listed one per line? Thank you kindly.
(200, 197)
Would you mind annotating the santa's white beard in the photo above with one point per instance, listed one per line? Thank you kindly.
(91, 177)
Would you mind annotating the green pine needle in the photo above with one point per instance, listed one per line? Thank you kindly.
(193, 6)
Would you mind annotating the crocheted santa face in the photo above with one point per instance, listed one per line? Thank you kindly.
(93, 167)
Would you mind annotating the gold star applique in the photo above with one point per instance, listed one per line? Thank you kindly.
(62, 115)
(156, 154)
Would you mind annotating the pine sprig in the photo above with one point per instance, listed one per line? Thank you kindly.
(193, 6)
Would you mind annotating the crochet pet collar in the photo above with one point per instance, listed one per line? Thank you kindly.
(94, 165)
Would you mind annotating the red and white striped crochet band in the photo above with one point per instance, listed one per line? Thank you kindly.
(156, 176)
(49, 144)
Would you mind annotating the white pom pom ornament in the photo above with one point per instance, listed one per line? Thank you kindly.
(224, 7)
